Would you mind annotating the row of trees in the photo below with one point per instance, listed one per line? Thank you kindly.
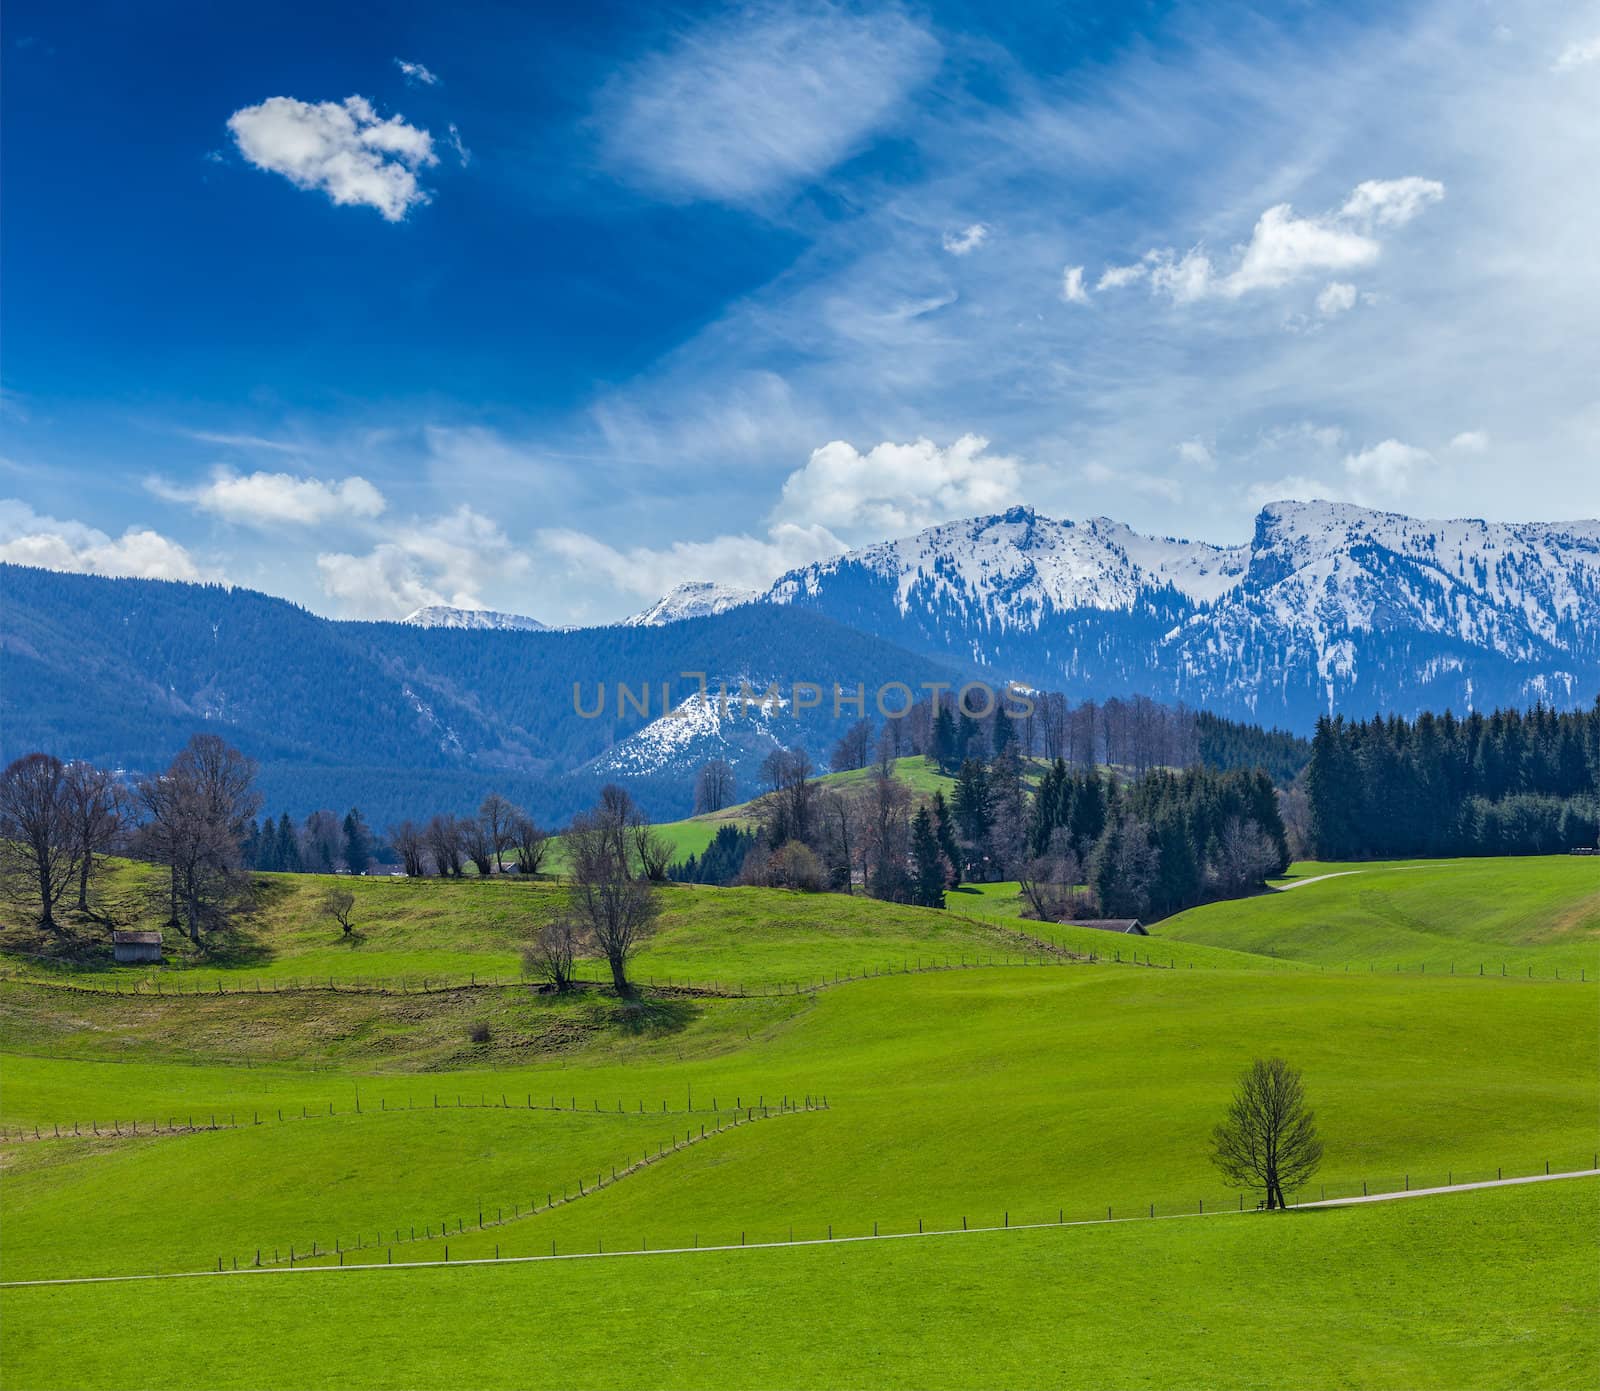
(1137, 734)
(446, 844)
(1507, 783)
(58, 821)
(322, 844)
(1164, 843)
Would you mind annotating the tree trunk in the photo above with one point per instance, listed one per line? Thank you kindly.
(83, 884)
(619, 977)
(47, 917)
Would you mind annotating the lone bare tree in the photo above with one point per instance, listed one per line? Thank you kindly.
(532, 845)
(38, 846)
(616, 909)
(1269, 1139)
(337, 904)
(552, 956)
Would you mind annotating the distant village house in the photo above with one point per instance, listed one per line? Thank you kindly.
(1132, 925)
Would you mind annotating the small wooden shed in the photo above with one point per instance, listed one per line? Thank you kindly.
(135, 948)
(1132, 925)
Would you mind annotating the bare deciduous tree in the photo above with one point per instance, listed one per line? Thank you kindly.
(198, 809)
(38, 844)
(475, 844)
(442, 836)
(1269, 1139)
(1049, 882)
(499, 819)
(408, 839)
(713, 788)
(532, 845)
(654, 851)
(552, 956)
(617, 909)
(96, 805)
(337, 904)
(1244, 856)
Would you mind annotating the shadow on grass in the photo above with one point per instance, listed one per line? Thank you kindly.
(643, 1014)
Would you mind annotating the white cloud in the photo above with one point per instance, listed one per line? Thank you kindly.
(1336, 297)
(748, 562)
(416, 72)
(1197, 454)
(1116, 277)
(968, 240)
(463, 154)
(1293, 487)
(1072, 290)
(893, 489)
(452, 560)
(1140, 481)
(27, 538)
(276, 499)
(1391, 202)
(241, 441)
(341, 148)
(1577, 54)
(739, 108)
(1285, 247)
(1470, 442)
(1390, 466)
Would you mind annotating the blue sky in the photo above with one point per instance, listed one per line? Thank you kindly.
(549, 308)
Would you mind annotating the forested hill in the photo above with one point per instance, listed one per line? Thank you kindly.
(397, 719)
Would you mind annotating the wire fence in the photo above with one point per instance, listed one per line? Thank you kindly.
(492, 1217)
(185, 1123)
(482, 1236)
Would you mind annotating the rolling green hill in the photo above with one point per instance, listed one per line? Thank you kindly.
(986, 1094)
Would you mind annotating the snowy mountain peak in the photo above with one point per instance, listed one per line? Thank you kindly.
(443, 616)
(693, 599)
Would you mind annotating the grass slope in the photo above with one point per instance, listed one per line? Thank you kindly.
(1348, 1297)
(1542, 911)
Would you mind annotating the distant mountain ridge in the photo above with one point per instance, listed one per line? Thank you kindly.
(443, 616)
(1329, 606)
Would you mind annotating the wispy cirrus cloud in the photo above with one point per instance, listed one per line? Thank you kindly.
(416, 74)
(743, 106)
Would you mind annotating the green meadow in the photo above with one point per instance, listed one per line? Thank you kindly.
(889, 1068)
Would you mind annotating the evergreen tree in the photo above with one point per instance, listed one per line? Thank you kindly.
(288, 850)
(357, 843)
(928, 885)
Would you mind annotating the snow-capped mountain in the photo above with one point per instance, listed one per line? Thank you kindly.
(702, 727)
(442, 616)
(1328, 606)
(694, 599)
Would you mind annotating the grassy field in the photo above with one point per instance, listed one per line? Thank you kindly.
(1342, 1297)
(988, 1094)
(1540, 911)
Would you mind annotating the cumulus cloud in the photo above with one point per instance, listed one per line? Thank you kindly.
(1197, 454)
(1391, 466)
(893, 489)
(28, 538)
(415, 73)
(1391, 202)
(1072, 290)
(1577, 54)
(1285, 247)
(745, 561)
(341, 148)
(1470, 442)
(451, 560)
(968, 240)
(743, 106)
(276, 499)
(1336, 297)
